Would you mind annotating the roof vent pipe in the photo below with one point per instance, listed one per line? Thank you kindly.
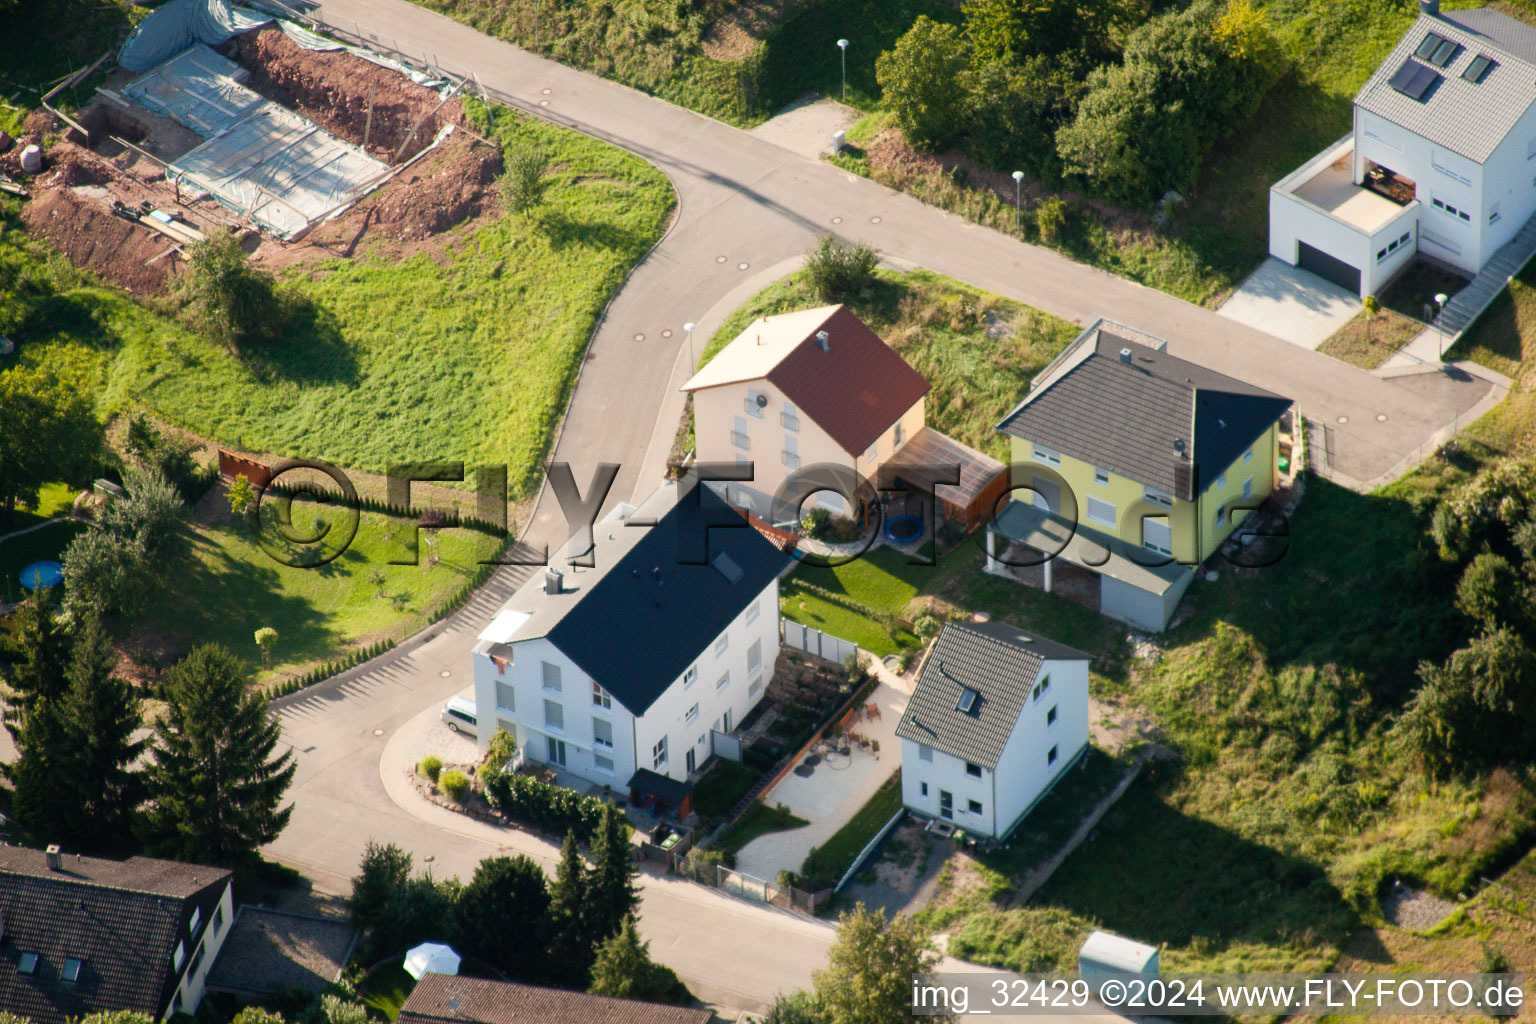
(1125, 355)
(823, 342)
(1430, 7)
(552, 581)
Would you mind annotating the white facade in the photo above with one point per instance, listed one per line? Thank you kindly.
(196, 949)
(1050, 734)
(585, 731)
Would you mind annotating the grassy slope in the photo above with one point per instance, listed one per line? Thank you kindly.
(48, 39)
(231, 587)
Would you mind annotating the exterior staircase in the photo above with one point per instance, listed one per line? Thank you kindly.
(1465, 305)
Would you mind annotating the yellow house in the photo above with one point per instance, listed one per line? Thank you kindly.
(813, 402)
(1135, 466)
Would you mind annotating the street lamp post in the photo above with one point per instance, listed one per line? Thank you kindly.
(1018, 201)
(1440, 301)
(842, 49)
(689, 328)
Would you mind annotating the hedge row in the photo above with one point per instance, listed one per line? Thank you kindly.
(543, 805)
(451, 517)
(331, 668)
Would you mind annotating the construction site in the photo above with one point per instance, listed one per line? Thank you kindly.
(213, 118)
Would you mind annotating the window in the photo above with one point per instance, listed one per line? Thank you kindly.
(791, 454)
(1221, 480)
(601, 698)
(754, 657)
(1248, 488)
(1050, 756)
(508, 726)
(692, 715)
(739, 434)
(197, 919)
(1530, 149)
(28, 962)
(899, 435)
(1157, 497)
(722, 683)
(789, 419)
(974, 806)
(1101, 476)
(1248, 455)
(71, 972)
(922, 787)
(691, 676)
(1101, 511)
(722, 643)
(1450, 210)
(1040, 688)
(602, 764)
(555, 749)
(659, 754)
(197, 961)
(177, 956)
(1221, 516)
(1493, 214)
(1050, 716)
(1046, 455)
(551, 677)
(602, 733)
(871, 454)
(554, 715)
(967, 702)
(754, 688)
(218, 918)
(1157, 535)
(752, 612)
(924, 752)
(753, 408)
(506, 697)
(973, 770)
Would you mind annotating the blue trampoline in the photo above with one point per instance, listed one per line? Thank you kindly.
(903, 529)
(42, 574)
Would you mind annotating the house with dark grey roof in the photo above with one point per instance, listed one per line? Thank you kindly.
(997, 717)
(1131, 466)
(623, 663)
(1437, 161)
(81, 935)
(458, 999)
(818, 410)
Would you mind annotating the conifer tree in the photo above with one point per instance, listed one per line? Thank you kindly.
(611, 895)
(570, 944)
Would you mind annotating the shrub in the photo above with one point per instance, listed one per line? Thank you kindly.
(817, 523)
(926, 625)
(917, 77)
(543, 805)
(431, 767)
(455, 783)
(232, 301)
(1051, 219)
(525, 182)
(837, 271)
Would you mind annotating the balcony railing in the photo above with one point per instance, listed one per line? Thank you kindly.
(753, 409)
(741, 440)
(790, 459)
(789, 421)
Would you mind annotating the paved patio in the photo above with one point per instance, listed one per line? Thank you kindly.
(806, 126)
(1290, 303)
(832, 793)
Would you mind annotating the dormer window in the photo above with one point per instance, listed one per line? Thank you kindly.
(71, 973)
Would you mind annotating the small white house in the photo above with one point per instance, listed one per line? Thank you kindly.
(1441, 158)
(622, 672)
(996, 718)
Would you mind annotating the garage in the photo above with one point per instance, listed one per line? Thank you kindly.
(1329, 268)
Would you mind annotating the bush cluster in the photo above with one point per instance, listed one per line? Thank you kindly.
(543, 805)
(454, 783)
(331, 668)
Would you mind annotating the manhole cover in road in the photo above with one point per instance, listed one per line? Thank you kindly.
(1381, 417)
(667, 333)
(742, 266)
(837, 220)
(1343, 419)
(546, 92)
(719, 259)
(378, 732)
(543, 103)
(445, 673)
(639, 337)
(874, 220)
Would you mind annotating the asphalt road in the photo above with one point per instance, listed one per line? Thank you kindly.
(746, 209)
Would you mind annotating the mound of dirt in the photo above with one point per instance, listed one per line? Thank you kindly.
(83, 228)
(334, 89)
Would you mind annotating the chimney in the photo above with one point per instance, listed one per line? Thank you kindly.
(552, 581)
(55, 857)
(1125, 355)
(823, 342)
(1430, 8)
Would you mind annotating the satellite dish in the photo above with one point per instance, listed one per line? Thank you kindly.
(762, 400)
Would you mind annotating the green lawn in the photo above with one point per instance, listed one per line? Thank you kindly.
(45, 545)
(46, 40)
(470, 360)
(232, 587)
(881, 580)
(718, 792)
(1053, 820)
(826, 864)
(1367, 343)
(386, 989)
(759, 820)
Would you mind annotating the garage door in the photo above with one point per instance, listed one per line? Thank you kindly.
(1329, 268)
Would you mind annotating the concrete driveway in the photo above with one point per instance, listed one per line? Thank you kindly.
(1291, 304)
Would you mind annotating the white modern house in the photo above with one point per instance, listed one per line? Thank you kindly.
(1441, 159)
(628, 672)
(997, 716)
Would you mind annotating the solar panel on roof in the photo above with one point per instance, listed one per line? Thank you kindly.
(1413, 79)
(1428, 46)
(1478, 68)
(1443, 53)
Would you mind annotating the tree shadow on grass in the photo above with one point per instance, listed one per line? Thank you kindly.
(562, 229)
(311, 349)
(1159, 876)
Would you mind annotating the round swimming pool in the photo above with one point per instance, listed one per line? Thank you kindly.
(38, 575)
(903, 529)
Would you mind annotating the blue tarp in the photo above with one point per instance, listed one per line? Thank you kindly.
(177, 25)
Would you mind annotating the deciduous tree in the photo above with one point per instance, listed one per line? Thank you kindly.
(868, 977)
(919, 77)
(48, 431)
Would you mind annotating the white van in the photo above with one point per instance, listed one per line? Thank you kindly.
(459, 713)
